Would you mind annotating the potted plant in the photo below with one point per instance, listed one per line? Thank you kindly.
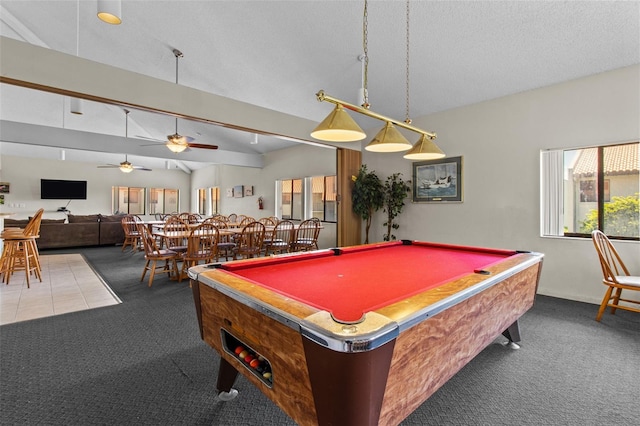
(367, 196)
(395, 190)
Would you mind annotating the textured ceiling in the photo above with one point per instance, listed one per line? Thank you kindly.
(278, 54)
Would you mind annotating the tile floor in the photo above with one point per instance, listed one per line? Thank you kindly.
(68, 284)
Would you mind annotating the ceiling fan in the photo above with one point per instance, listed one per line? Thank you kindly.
(176, 142)
(125, 166)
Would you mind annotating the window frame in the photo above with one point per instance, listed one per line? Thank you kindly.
(552, 188)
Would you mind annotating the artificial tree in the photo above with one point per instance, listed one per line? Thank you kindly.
(395, 190)
(367, 196)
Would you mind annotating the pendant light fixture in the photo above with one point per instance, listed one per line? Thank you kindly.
(389, 139)
(110, 11)
(425, 148)
(340, 127)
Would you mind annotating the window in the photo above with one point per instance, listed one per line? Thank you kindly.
(309, 197)
(591, 188)
(324, 189)
(215, 200)
(208, 201)
(128, 200)
(201, 208)
(291, 191)
(163, 200)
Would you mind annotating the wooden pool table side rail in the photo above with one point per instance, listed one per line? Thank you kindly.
(400, 311)
(429, 354)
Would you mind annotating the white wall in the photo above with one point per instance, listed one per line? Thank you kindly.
(500, 141)
(24, 175)
(296, 162)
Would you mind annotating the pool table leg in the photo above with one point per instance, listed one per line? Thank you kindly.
(513, 334)
(226, 377)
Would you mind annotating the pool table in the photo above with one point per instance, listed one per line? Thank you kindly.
(360, 335)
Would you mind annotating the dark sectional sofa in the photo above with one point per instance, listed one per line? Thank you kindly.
(76, 231)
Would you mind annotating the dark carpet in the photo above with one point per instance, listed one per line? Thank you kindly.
(142, 362)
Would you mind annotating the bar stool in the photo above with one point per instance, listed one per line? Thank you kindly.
(20, 251)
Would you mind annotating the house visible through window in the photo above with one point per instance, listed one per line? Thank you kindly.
(591, 188)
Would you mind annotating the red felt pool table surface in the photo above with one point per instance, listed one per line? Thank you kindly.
(365, 278)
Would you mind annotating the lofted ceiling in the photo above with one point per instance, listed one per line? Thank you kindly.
(278, 54)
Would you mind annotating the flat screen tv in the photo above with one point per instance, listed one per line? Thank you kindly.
(54, 189)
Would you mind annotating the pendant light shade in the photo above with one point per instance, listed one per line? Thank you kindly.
(389, 139)
(110, 11)
(338, 127)
(424, 149)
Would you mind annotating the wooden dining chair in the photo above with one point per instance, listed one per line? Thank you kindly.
(279, 239)
(178, 231)
(158, 260)
(202, 247)
(244, 221)
(306, 236)
(232, 217)
(615, 276)
(226, 242)
(267, 221)
(132, 237)
(249, 242)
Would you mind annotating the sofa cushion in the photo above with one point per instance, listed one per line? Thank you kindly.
(15, 222)
(52, 220)
(111, 218)
(83, 219)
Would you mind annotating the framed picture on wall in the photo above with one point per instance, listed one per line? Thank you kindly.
(438, 181)
(248, 191)
(238, 191)
(229, 192)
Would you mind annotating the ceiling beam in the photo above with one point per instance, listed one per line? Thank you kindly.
(39, 68)
(14, 132)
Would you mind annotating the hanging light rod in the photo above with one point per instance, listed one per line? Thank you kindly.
(323, 97)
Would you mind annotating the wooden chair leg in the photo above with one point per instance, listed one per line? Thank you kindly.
(616, 300)
(144, 271)
(604, 303)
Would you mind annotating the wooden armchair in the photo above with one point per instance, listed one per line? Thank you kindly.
(615, 276)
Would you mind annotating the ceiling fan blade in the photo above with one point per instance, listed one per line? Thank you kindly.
(149, 139)
(142, 168)
(202, 146)
(108, 166)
